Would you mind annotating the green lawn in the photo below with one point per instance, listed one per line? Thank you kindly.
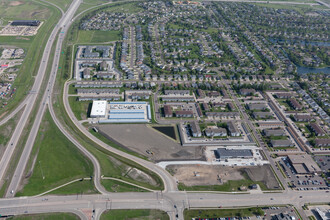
(217, 213)
(23, 9)
(7, 129)
(137, 214)
(64, 4)
(50, 216)
(117, 186)
(58, 161)
(97, 36)
(33, 46)
(230, 186)
(112, 165)
(80, 187)
(80, 109)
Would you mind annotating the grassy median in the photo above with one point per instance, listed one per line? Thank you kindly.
(134, 214)
(55, 161)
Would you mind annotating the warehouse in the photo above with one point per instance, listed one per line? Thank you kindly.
(98, 109)
(224, 154)
(25, 23)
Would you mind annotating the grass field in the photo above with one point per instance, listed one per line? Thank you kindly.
(135, 214)
(64, 4)
(50, 216)
(230, 186)
(217, 213)
(58, 161)
(33, 46)
(7, 129)
(23, 10)
(111, 164)
(97, 36)
(116, 186)
(127, 8)
(80, 187)
(299, 8)
(80, 109)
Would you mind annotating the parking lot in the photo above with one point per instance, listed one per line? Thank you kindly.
(271, 211)
(323, 162)
(302, 182)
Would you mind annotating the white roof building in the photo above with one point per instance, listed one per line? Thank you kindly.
(98, 109)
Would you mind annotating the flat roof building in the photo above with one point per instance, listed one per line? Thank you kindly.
(223, 153)
(98, 109)
(25, 23)
(274, 132)
(281, 143)
(304, 164)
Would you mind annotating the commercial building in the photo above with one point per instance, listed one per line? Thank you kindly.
(224, 154)
(304, 164)
(127, 112)
(195, 129)
(25, 23)
(98, 109)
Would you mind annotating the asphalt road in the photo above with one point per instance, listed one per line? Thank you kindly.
(170, 200)
(61, 27)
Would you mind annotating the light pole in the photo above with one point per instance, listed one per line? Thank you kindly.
(42, 173)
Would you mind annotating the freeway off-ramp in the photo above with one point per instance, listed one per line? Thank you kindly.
(170, 200)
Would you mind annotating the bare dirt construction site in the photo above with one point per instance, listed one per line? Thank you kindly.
(195, 175)
(141, 138)
(263, 174)
(202, 175)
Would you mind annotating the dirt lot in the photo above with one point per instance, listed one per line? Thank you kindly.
(202, 175)
(140, 138)
(193, 175)
(264, 174)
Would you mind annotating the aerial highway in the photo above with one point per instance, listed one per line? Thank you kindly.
(170, 199)
(62, 25)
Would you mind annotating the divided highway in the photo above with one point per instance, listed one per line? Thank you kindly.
(31, 100)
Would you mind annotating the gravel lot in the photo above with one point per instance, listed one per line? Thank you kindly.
(141, 138)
